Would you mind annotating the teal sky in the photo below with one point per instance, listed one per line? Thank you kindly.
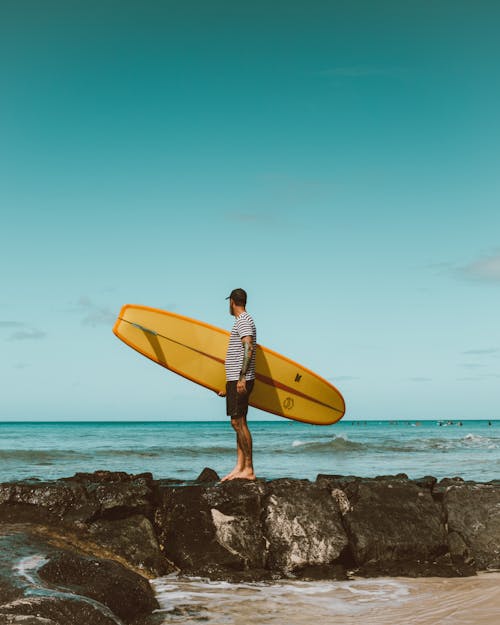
(339, 160)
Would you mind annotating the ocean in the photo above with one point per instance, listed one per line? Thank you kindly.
(180, 450)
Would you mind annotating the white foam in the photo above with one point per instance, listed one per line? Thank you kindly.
(288, 598)
(26, 567)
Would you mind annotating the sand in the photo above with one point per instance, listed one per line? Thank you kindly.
(430, 601)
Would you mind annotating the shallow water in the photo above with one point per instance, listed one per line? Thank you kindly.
(430, 601)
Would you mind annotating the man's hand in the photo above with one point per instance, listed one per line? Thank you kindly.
(241, 386)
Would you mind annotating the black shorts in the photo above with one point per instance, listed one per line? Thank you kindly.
(237, 403)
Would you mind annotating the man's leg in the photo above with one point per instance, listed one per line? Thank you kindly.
(244, 468)
(237, 407)
(240, 460)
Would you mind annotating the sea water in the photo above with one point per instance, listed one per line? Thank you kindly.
(180, 450)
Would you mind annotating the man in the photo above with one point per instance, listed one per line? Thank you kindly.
(240, 377)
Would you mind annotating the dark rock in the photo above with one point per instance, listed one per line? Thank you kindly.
(217, 573)
(398, 476)
(83, 498)
(43, 501)
(124, 592)
(199, 526)
(208, 475)
(391, 522)
(8, 591)
(54, 611)
(428, 481)
(441, 487)
(441, 567)
(473, 515)
(121, 498)
(247, 531)
(321, 572)
(303, 526)
(110, 477)
(134, 540)
(17, 619)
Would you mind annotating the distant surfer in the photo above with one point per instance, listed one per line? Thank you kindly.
(240, 378)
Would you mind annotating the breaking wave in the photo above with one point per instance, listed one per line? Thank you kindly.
(337, 443)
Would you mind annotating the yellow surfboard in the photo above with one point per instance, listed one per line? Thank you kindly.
(197, 351)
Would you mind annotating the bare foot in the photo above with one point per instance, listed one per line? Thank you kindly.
(246, 474)
(231, 475)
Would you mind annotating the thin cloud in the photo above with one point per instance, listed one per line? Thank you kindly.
(27, 334)
(11, 324)
(482, 270)
(420, 379)
(343, 378)
(94, 315)
(489, 351)
(479, 378)
(24, 331)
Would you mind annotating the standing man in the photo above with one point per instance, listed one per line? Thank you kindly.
(240, 378)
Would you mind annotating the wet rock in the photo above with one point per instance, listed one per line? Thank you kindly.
(38, 502)
(109, 477)
(201, 526)
(8, 591)
(440, 488)
(428, 481)
(473, 515)
(80, 499)
(208, 475)
(16, 619)
(54, 611)
(244, 530)
(303, 526)
(391, 521)
(133, 539)
(118, 495)
(335, 572)
(124, 592)
(442, 566)
(460, 555)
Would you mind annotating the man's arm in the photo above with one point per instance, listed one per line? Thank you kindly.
(248, 348)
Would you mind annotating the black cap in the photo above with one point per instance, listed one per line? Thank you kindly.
(239, 297)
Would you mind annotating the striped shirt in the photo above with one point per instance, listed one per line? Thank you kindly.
(243, 326)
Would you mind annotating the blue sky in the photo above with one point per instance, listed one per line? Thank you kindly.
(339, 160)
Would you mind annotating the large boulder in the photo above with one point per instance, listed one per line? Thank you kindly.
(117, 495)
(212, 527)
(393, 524)
(303, 528)
(125, 593)
(82, 498)
(134, 540)
(473, 517)
(41, 502)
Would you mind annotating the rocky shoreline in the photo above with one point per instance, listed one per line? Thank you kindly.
(87, 544)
